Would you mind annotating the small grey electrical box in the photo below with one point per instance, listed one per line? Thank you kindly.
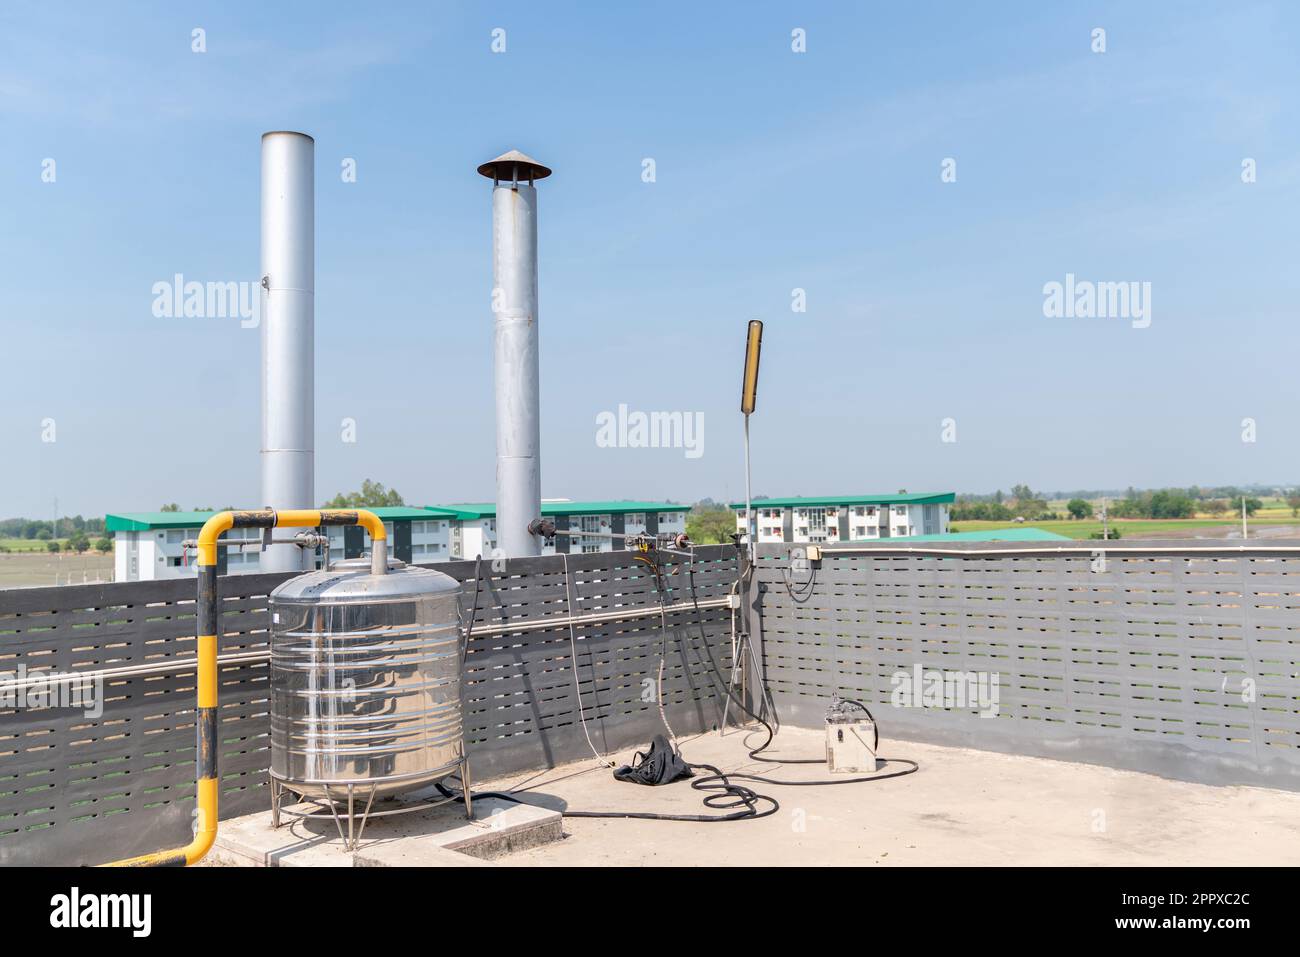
(850, 740)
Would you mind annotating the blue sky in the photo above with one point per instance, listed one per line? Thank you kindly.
(775, 170)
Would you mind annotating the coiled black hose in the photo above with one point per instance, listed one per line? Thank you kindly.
(722, 792)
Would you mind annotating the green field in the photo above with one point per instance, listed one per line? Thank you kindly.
(19, 545)
(29, 569)
(29, 544)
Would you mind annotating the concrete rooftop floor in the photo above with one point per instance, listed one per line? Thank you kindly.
(963, 807)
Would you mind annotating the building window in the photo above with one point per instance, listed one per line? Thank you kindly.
(817, 519)
(900, 509)
(931, 519)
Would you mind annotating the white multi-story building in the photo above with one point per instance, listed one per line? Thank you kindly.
(415, 535)
(853, 518)
(148, 545)
(477, 523)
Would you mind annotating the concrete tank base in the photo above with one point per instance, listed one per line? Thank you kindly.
(438, 837)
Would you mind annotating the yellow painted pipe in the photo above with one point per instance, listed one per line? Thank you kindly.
(209, 612)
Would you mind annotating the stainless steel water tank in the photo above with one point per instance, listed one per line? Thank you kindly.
(365, 679)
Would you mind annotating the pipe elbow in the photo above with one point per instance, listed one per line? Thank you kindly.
(212, 530)
(198, 848)
(372, 524)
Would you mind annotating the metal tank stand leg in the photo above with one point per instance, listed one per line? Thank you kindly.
(352, 839)
(335, 814)
(465, 787)
(275, 804)
(352, 816)
(365, 815)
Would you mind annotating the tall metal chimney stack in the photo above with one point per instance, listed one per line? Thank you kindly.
(288, 333)
(514, 302)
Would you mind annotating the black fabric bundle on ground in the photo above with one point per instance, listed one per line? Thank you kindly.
(660, 765)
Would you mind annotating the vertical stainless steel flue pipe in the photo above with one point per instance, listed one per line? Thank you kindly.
(514, 305)
(288, 333)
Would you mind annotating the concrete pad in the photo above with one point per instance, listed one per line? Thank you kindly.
(964, 807)
(437, 837)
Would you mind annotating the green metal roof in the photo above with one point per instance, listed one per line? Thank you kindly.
(471, 510)
(144, 521)
(414, 512)
(933, 498)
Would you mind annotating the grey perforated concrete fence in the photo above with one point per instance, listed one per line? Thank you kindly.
(1181, 659)
(78, 789)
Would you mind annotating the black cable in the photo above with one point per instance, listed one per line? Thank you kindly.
(750, 803)
(875, 746)
(473, 613)
(912, 766)
(805, 589)
(730, 794)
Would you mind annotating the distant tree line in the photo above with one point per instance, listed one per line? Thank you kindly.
(1165, 503)
(1183, 503)
(1023, 502)
(710, 523)
(371, 495)
(1162, 503)
(46, 529)
(78, 534)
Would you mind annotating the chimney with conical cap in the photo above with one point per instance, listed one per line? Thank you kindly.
(514, 305)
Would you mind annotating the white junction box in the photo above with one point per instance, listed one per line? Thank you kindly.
(851, 739)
